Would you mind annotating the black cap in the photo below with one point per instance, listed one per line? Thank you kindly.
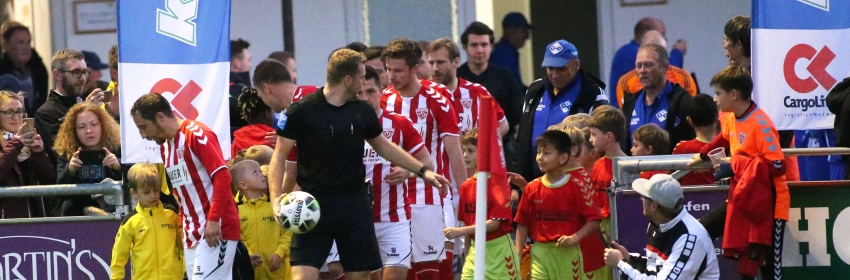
(93, 61)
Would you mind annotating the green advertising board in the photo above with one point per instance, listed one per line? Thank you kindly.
(817, 236)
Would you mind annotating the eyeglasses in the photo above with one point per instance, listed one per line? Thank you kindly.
(77, 73)
(11, 113)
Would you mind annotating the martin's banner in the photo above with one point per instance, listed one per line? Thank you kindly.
(800, 50)
(180, 49)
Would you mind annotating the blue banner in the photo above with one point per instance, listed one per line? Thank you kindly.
(801, 14)
(180, 49)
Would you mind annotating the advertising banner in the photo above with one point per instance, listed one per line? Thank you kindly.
(800, 50)
(180, 49)
(64, 250)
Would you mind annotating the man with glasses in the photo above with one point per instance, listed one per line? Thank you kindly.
(69, 78)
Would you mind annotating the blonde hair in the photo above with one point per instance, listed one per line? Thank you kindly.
(6, 96)
(344, 62)
(573, 132)
(262, 154)
(66, 140)
(237, 172)
(580, 120)
(143, 176)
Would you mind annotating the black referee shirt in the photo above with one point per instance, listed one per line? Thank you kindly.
(330, 143)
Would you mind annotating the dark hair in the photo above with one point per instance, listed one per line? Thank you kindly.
(237, 47)
(9, 27)
(445, 43)
(737, 30)
(356, 46)
(344, 63)
(112, 57)
(703, 110)
(423, 45)
(470, 137)
(149, 105)
(90, 86)
(644, 25)
(282, 56)
(373, 74)
(663, 57)
(271, 71)
(556, 139)
(609, 120)
(251, 106)
(476, 28)
(373, 52)
(403, 48)
(734, 77)
(651, 135)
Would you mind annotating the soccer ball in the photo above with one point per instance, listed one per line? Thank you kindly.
(299, 212)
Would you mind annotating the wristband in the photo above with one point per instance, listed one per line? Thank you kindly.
(421, 172)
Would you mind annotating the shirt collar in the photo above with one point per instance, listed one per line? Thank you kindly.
(668, 225)
(668, 89)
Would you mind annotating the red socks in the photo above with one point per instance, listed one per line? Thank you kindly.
(424, 271)
(447, 270)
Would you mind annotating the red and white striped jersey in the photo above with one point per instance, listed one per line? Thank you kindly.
(389, 200)
(191, 159)
(433, 117)
(465, 101)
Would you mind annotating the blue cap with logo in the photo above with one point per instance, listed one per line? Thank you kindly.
(559, 53)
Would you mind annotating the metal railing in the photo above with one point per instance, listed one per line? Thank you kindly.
(112, 191)
(628, 169)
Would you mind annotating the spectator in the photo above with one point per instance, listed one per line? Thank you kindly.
(839, 104)
(240, 65)
(660, 102)
(424, 71)
(678, 245)
(260, 119)
(629, 83)
(624, 59)
(288, 60)
(515, 32)
(22, 61)
(373, 59)
(94, 65)
(703, 118)
(566, 90)
(477, 41)
(87, 129)
(650, 140)
(113, 65)
(23, 160)
(69, 78)
(112, 105)
(736, 41)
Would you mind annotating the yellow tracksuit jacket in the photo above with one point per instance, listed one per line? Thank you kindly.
(152, 237)
(262, 235)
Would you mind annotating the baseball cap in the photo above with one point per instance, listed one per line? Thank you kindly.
(558, 53)
(515, 19)
(93, 61)
(661, 188)
(10, 83)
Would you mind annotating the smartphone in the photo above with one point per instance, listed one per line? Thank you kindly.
(92, 170)
(27, 126)
(107, 96)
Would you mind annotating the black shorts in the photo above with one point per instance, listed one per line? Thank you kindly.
(348, 220)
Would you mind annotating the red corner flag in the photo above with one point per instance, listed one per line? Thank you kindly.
(490, 154)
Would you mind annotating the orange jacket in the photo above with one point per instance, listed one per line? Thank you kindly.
(630, 84)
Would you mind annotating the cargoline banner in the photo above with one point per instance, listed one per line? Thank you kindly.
(180, 49)
(800, 50)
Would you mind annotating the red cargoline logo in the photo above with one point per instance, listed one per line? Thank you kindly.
(819, 60)
(182, 96)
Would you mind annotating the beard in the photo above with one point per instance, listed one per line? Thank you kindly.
(72, 89)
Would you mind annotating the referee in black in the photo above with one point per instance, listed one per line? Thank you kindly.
(329, 127)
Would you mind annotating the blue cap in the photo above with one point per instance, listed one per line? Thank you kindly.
(10, 83)
(559, 53)
(515, 19)
(93, 61)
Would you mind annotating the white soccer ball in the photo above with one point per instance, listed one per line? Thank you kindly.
(299, 212)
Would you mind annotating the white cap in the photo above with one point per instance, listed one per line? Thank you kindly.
(661, 188)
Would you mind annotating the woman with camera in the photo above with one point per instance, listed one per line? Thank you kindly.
(88, 142)
(22, 159)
